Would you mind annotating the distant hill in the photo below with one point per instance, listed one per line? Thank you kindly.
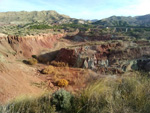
(94, 20)
(125, 21)
(52, 17)
(24, 17)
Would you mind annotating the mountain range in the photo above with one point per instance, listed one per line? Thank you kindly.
(125, 21)
(24, 17)
(52, 17)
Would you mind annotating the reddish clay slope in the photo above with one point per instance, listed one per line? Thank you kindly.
(29, 45)
(17, 78)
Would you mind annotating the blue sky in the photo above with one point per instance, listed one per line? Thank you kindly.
(83, 9)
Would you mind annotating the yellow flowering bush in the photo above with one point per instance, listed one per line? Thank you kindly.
(48, 70)
(63, 83)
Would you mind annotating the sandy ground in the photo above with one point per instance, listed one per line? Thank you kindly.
(2, 35)
(16, 79)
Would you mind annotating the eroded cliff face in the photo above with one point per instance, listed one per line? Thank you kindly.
(28, 45)
(17, 78)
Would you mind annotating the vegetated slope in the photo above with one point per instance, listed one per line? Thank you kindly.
(25, 17)
(125, 21)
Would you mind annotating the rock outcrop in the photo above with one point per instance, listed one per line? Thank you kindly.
(67, 55)
(115, 56)
(144, 64)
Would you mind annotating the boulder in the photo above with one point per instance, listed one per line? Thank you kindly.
(68, 56)
(85, 64)
(147, 66)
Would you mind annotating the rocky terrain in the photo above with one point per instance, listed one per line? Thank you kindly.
(34, 63)
(100, 56)
(17, 78)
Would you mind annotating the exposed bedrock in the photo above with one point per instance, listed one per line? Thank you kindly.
(28, 45)
(104, 55)
(67, 55)
(144, 64)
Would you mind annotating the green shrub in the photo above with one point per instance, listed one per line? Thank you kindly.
(62, 100)
(41, 26)
(34, 56)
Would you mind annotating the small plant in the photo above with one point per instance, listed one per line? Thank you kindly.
(34, 56)
(59, 64)
(62, 100)
(32, 61)
(62, 83)
(48, 70)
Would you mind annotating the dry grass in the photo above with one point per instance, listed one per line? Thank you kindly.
(119, 95)
(126, 94)
(48, 70)
(59, 64)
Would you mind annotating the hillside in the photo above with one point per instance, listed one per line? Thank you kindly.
(51, 63)
(125, 21)
(25, 17)
(24, 23)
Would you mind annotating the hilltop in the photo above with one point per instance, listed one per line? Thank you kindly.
(34, 22)
(125, 21)
(24, 17)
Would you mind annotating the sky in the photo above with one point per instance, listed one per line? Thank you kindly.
(81, 9)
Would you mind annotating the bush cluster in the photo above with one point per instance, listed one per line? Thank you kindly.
(62, 99)
(41, 26)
